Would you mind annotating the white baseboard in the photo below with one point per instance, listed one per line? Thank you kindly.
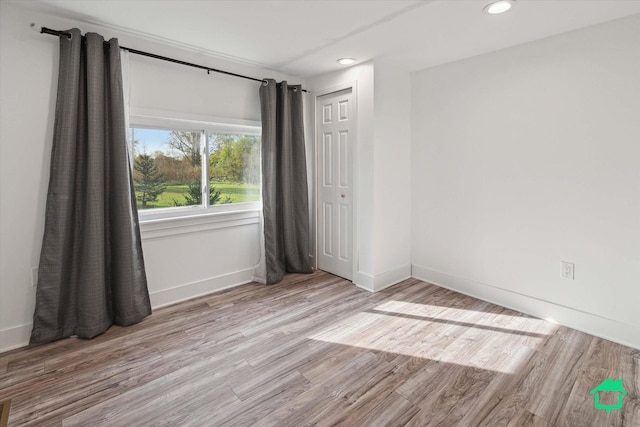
(590, 323)
(363, 281)
(201, 287)
(382, 281)
(391, 277)
(15, 337)
(18, 336)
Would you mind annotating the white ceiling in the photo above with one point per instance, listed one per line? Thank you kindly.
(305, 38)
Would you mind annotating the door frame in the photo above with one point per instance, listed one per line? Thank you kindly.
(352, 84)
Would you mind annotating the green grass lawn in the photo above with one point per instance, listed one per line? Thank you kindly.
(239, 193)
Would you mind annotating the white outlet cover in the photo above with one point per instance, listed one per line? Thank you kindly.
(568, 270)
(34, 276)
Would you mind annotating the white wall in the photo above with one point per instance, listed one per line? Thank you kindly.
(383, 103)
(308, 105)
(392, 178)
(528, 156)
(179, 266)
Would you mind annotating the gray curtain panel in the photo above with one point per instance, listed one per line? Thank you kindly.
(91, 272)
(284, 181)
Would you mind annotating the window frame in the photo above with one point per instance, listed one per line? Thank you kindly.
(159, 219)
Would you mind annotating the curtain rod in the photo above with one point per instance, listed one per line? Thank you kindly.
(45, 30)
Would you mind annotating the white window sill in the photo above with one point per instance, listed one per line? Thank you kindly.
(159, 224)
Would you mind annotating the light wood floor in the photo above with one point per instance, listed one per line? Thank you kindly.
(316, 350)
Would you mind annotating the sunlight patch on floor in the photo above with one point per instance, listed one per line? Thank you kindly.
(484, 340)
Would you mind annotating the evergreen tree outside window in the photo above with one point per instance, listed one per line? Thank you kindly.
(148, 182)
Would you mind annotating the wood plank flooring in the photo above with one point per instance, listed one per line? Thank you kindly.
(316, 350)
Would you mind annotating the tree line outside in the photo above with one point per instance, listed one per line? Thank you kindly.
(172, 176)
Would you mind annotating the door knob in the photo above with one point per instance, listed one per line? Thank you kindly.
(343, 196)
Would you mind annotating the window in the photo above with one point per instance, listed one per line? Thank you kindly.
(183, 168)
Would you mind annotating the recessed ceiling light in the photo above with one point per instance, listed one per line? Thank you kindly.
(497, 7)
(346, 61)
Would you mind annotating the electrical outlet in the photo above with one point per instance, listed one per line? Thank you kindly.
(34, 276)
(568, 270)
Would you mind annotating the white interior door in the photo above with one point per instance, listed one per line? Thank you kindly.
(334, 138)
